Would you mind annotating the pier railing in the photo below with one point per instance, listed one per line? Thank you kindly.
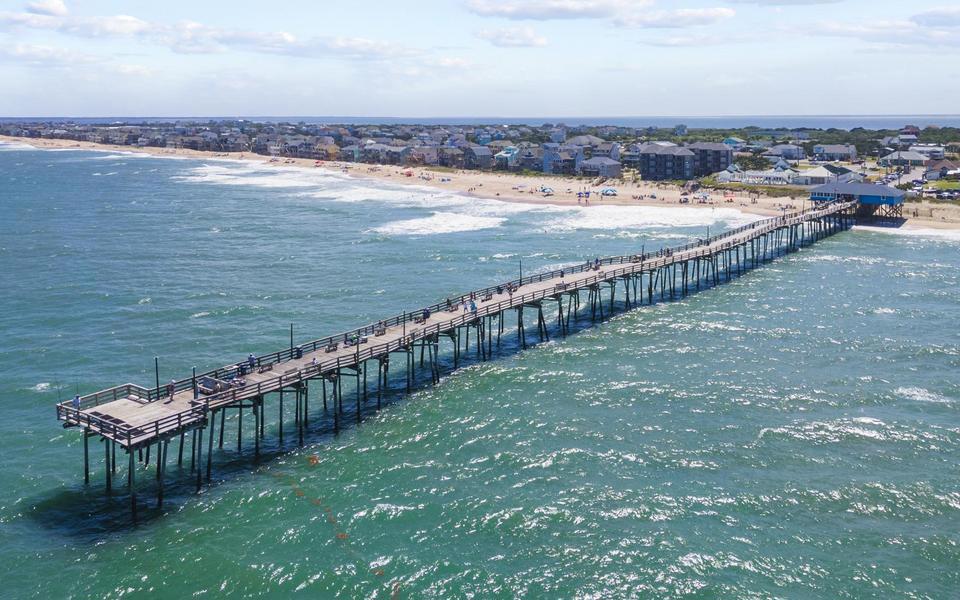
(634, 263)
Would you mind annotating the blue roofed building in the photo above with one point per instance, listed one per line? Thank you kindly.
(873, 201)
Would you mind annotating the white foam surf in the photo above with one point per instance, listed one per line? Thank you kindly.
(918, 394)
(951, 235)
(646, 217)
(256, 176)
(15, 146)
(438, 223)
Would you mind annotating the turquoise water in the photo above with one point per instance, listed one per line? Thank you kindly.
(794, 433)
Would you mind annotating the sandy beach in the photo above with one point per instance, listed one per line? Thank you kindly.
(509, 187)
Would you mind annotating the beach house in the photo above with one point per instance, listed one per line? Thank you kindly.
(786, 152)
(942, 169)
(904, 158)
(710, 157)
(659, 162)
(931, 151)
(600, 166)
(827, 174)
(451, 157)
(507, 159)
(477, 157)
(847, 152)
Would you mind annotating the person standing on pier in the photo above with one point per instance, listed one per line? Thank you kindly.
(76, 402)
(171, 388)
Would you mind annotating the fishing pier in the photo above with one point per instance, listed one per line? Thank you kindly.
(140, 421)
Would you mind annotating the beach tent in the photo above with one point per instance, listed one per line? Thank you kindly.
(608, 192)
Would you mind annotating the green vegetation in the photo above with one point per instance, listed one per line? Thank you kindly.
(753, 163)
(944, 184)
(772, 191)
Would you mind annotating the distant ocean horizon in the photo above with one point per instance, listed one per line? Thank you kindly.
(693, 122)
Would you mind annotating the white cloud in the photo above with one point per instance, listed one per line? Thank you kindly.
(696, 41)
(513, 37)
(787, 2)
(893, 33)
(552, 9)
(450, 62)
(41, 55)
(938, 17)
(196, 38)
(54, 8)
(133, 70)
(676, 18)
(636, 13)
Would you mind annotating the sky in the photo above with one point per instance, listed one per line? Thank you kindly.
(447, 58)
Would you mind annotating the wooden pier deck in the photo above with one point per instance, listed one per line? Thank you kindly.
(133, 418)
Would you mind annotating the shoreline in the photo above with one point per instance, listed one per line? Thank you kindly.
(510, 187)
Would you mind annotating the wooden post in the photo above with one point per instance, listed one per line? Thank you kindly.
(131, 473)
(161, 462)
(86, 457)
(199, 457)
(160, 459)
(106, 463)
(239, 426)
(336, 412)
(256, 428)
(180, 450)
(210, 444)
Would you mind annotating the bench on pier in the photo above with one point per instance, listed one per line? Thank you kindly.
(636, 258)
(560, 287)
(292, 371)
(487, 298)
(107, 418)
(331, 347)
(418, 320)
(265, 368)
(380, 331)
(209, 386)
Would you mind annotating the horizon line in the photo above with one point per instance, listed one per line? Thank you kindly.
(493, 118)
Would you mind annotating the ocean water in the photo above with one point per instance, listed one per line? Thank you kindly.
(792, 434)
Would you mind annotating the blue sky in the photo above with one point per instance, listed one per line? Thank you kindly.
(478, 57)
